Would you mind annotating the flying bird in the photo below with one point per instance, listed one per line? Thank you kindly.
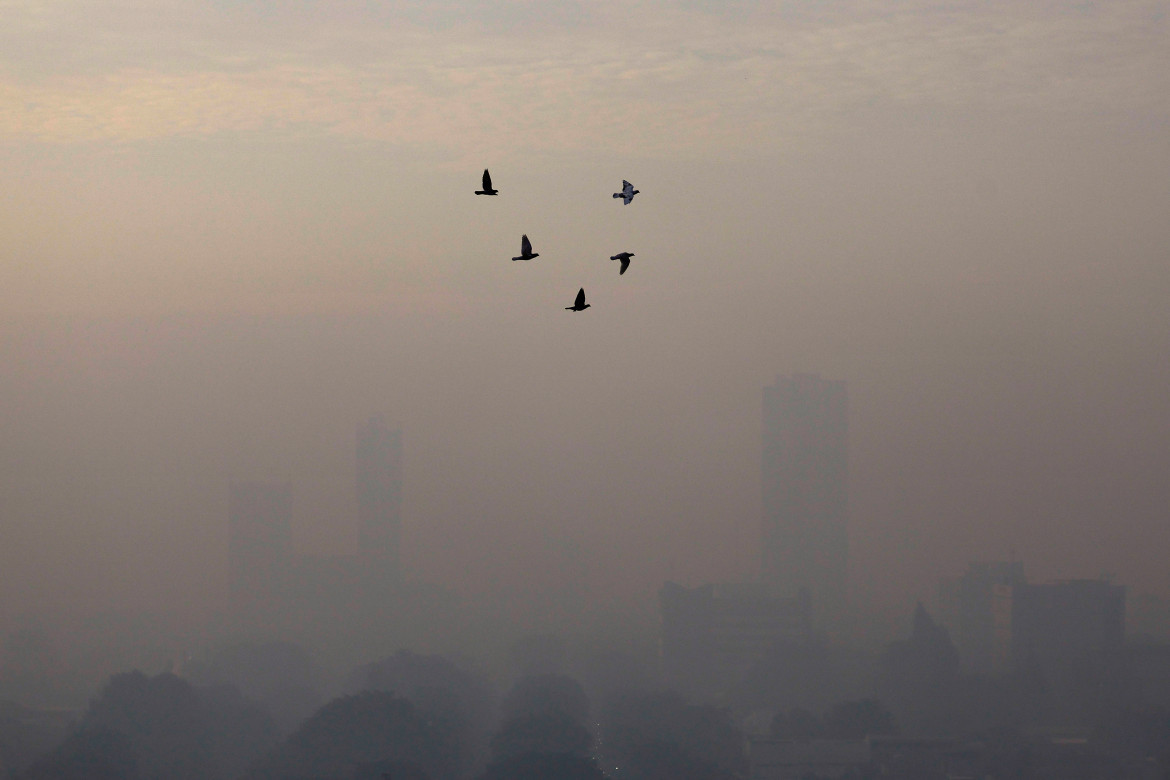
(627, 194)
(579, 304)
(625, 258)
(526, 250)
(487, 185)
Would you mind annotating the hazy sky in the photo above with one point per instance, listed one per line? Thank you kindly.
(229, 231)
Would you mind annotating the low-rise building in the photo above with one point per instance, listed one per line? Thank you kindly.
(713, 634)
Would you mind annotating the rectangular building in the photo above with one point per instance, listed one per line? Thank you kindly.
(977, 608)
(1067, 627)
(806, 490)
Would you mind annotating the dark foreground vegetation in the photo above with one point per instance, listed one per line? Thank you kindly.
(268, 712)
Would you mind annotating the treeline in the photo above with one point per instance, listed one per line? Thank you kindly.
(408, 717)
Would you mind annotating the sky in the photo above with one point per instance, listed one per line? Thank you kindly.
(229, 232)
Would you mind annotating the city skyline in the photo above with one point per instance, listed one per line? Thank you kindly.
(302, 476)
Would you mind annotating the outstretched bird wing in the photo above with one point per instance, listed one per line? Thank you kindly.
(580, 299)
(487, 181)
(525, 246)
(625, 264)
(627, 192)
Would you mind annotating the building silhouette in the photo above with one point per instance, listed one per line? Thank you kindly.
(260, 539)
(977, 608)
(713, 635)
(1067, 627)
(1062, 630)
(805, 491)
(379, 498)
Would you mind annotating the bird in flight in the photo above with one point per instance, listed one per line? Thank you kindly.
(526, 250)
(625, 258)
(487, 185)
(579, 304)
(627, 194)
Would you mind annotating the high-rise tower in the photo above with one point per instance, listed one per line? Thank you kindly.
(805, 491)
(379, 496)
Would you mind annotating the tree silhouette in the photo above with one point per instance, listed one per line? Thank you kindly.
(463, 700)
(543, 766)
(546, 714)
(94, 753)
(390, 770)
(363, 731)
(647, 735)
(544, 693)
(549, 732)
(171, 729)
(281, 676)
(859, 719)
(26, 734)
(240, 731)
(164, 720)
(799, 725)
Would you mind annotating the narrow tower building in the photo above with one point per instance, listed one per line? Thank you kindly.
(805, 491)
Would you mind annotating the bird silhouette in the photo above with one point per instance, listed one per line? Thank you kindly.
(579, 304)
(627, 194)
(625, 258)
(487, 185)
(526, 250)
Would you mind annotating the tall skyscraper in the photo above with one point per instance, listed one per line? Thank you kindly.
(805, 491)
(379, 496)
(260, 553)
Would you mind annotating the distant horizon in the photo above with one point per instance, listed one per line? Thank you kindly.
(313, 535)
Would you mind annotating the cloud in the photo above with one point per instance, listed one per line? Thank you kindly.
(660, 79)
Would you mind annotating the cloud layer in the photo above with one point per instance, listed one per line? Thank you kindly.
(658, 79)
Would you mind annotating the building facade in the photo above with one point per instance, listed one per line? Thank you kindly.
(805, 491)
(977, 608)
(1067, 627)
